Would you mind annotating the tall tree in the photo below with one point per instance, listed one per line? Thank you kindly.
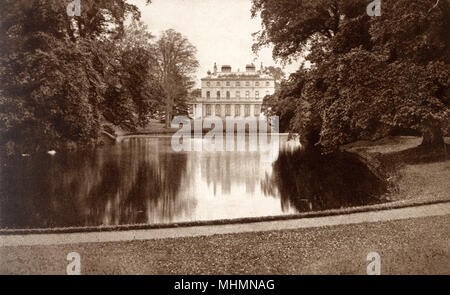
(54, 70)
(176, 61)
(369, 75)
(133, 87)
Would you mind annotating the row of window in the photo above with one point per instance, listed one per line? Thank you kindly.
(237, 94)
(237, 110)
(237, 83)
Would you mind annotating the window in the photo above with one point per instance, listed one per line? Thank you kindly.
(228, 94)
(238, 94)
(208, 94)
(208, 84)
(228, 83)
(247, 94)
(257, 83)
(247, 110)
(218, 94)
(208, 110)
(256, 94)
(218, 111)
(267, 92)
(218, 83)
(238, 83)
(247, 83)
(237, 110)
(257, 109)
(228, 110)
(267, 83)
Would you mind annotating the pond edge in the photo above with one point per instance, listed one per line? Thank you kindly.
(245, 220)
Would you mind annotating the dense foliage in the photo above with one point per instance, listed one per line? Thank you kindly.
(369, 76)
(63, 77)
(175, 61)
(283, 102)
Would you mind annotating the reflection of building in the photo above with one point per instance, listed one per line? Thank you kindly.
(233, 94)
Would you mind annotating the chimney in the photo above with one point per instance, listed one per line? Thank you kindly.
(226, 69)
(250, 68)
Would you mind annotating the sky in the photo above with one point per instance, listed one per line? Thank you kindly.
(221, 30)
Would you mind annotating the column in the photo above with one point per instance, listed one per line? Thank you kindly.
(252, 110)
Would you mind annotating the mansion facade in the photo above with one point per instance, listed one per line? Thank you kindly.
(233, 94)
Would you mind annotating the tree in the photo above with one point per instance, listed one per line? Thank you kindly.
(55, 71)
(133, 88)
(290, 25)
(275, 72)
(176, 61)
(196, 93)
(283, 103)
(369, 75)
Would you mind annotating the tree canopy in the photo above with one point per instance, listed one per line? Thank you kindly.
(369, 75)
(63, 77)
(175, 57)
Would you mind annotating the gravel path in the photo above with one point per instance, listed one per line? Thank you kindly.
(376, 213)
(411, 246)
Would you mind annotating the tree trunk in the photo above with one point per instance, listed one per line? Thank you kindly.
(432, 136)
(169, 107)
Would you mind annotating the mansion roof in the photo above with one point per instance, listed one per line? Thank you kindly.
(238, 76)
(227, 74)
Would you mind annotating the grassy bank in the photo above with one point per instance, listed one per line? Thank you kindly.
(417, 173)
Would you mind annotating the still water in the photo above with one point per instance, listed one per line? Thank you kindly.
(144, 181)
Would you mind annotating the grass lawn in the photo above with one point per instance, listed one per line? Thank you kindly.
(417, 173)
(413, 246)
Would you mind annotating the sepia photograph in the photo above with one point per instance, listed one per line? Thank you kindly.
(202, 140)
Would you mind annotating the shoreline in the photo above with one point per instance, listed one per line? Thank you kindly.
(427, 210)
(245, 220)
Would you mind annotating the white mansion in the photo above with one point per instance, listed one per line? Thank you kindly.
(237, 94)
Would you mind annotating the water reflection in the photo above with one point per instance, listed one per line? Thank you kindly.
(142, 180)
(134, 182)
(313, 182)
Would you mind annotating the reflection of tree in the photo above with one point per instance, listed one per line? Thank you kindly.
(146, 192)
(311, 181)
(135, 182)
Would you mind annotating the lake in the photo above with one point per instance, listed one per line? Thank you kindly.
(142, 180)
